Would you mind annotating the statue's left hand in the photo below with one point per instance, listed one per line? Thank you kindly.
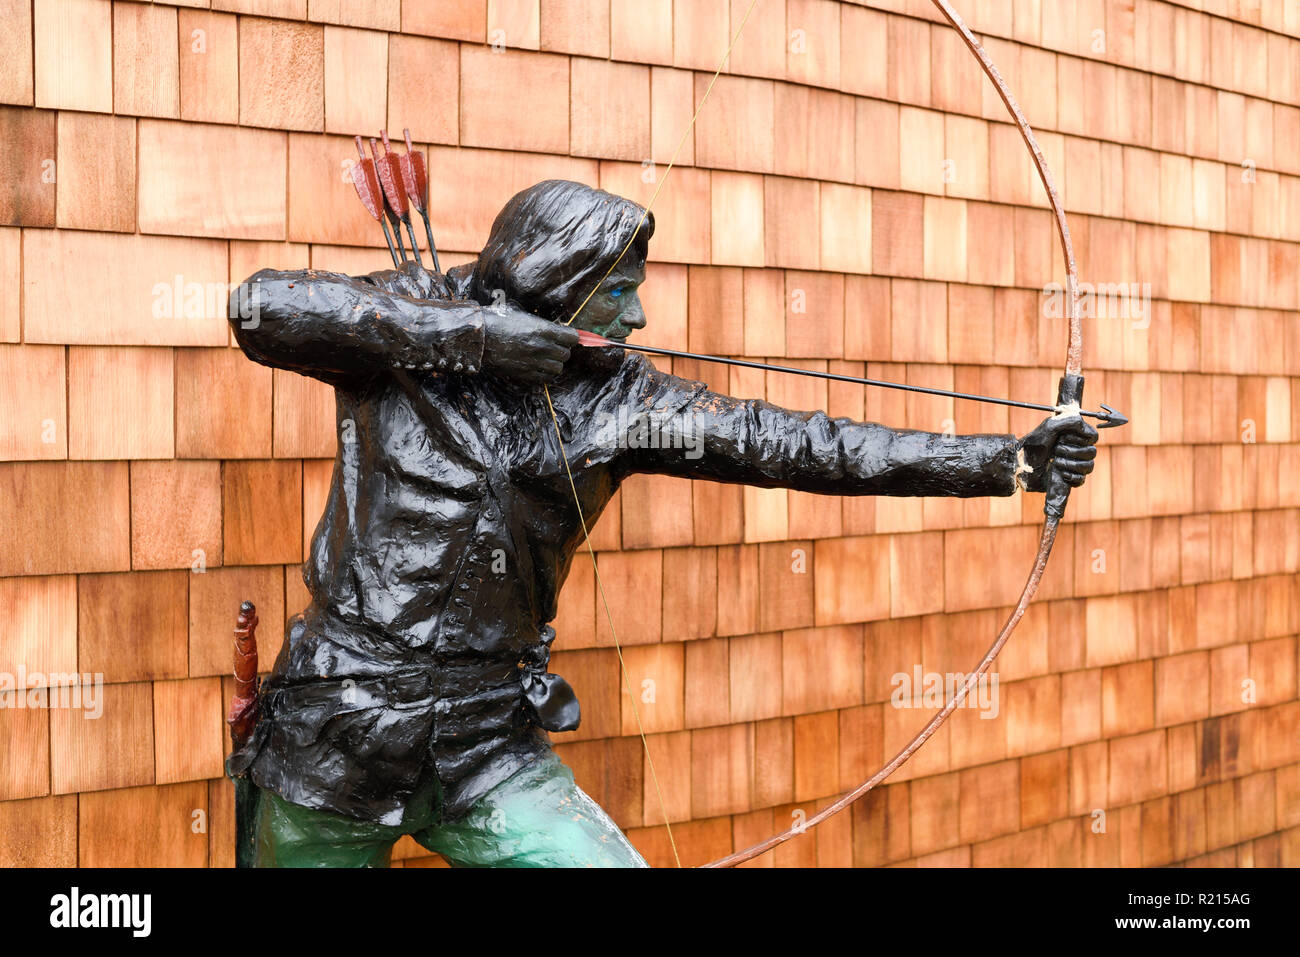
(1066, 444)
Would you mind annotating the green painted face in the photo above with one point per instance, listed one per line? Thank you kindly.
(614, 310)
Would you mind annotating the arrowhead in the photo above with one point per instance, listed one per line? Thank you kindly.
(1113, 419)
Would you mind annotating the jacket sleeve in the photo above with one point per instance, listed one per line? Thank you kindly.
(707, 435)
(337, 327)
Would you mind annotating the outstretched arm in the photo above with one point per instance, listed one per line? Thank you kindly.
(751, 442)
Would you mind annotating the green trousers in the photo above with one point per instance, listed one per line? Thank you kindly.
(536, 818)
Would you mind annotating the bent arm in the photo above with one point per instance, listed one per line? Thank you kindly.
(752, 442)
(335, 327)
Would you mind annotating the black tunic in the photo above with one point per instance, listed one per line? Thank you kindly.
(450, 527)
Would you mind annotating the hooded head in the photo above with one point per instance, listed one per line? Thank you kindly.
(554, 243)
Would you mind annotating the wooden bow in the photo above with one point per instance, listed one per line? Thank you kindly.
(1070, 392)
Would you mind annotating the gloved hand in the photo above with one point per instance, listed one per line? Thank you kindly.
(1067, 445)
(519, 346)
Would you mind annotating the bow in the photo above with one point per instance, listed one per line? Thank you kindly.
(1069, 397)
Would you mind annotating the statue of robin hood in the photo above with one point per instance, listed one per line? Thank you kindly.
(413, 694)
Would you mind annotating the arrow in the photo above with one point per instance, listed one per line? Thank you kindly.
(1108, 418)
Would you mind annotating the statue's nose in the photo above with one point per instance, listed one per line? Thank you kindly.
(634, 316)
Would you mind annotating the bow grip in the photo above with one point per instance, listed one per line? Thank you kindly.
(1058, 490)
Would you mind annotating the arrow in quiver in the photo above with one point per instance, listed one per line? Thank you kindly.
(242, 716)
(242, 719)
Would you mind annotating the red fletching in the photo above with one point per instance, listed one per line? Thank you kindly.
(366, 182)
(419, 172)
(586, 338)
(390, 178)
(407, 169)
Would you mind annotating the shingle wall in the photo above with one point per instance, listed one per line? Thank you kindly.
(852, 198)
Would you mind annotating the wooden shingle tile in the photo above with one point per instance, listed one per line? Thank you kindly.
(189, 728)
(819, 670)
(133, 627)
(816, 753)
(667, 778)
(424, 88)
(262, 511)
(990, 803)
(16, 51)
(627, 577)
(112, 750)
(214, 600)
(74, 54)
(25, 755)
(223, 405)
(120, 403)
(735, 130)
(575, 26)
(641, 30)
(690, 593)
(208, 67)
(129, 293)
(64, 517)
(144, 827)
(176, 514)
(42, 635)
(356, 80)
(609, 110)
(281, 74)
(707, 683)
(41, 832)
(145, 60)
(458, 20)
(756, 678)
(184, 165)
(304, 411)
(721, 770)
(96, 172)
(33, 391)
(657, 676)
(497, 87)
(27, 167)
(514, 23)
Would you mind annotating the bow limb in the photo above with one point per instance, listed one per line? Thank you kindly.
(1058, 492)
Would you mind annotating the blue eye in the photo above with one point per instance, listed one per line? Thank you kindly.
(615, 293)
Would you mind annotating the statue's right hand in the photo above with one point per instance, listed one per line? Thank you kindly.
(522, 347)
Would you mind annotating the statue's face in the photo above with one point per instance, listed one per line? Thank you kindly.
(614, 310)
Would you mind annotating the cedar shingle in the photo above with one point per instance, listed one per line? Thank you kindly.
(183, 165)
(27, 166)
(74, 54)
(281, 74)
(209, 66)
(112, 750)
(176, 514)
(145, 66)
(262, 509)
(96, 172)
(64, 517)
(33, 391)
(132, 627)
(144, 827)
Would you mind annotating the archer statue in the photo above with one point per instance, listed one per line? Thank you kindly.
(413, 695)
